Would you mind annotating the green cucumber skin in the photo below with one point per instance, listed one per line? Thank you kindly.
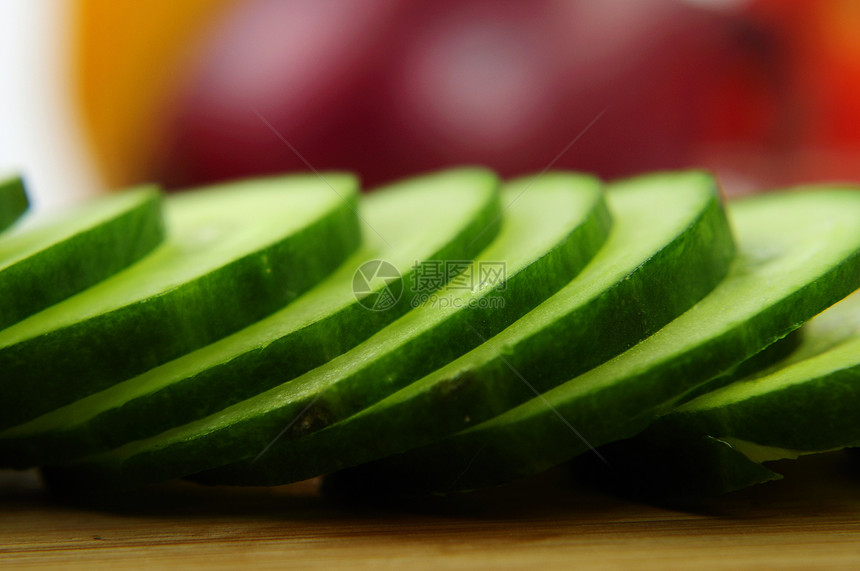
(243, 376)
(675, 459)
(782, 419)
(86, 258)
(636, 306)
(684, 454)
(13, 203)
(462, 331)
(755, 365)
(250, 435)
(520, 445)
(817, 414)
(211, 306)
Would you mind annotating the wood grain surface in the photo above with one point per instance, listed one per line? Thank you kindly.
(810, 520)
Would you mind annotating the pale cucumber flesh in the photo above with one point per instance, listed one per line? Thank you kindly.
(555, 228)
(416, 221)
(665, 225)
(799, 252)
(234, 254)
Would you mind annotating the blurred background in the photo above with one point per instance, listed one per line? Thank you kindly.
(101, 94)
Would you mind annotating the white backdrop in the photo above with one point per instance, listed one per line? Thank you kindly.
(39, 132)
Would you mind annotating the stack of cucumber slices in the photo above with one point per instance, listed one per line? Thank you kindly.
(447, 332)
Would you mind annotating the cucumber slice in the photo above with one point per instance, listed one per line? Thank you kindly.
(416, 219)
(804, 404)
(550, 234)
(761, 361)
(13, 201)
(799, 252)
(48, 257)
(235, 253)
(665, 225)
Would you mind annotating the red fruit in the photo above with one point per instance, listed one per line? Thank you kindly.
(391, 88)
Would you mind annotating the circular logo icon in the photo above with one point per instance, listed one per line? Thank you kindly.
(377, 285)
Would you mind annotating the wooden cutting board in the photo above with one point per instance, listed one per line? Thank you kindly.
(809, 520)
